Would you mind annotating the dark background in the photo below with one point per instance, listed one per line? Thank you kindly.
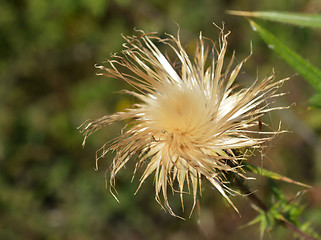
(48, 186)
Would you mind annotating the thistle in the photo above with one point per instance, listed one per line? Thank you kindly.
(191, 123)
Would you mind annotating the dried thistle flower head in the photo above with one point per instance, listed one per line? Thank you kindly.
(189, 120)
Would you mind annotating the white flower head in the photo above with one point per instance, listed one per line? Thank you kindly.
(190, 119)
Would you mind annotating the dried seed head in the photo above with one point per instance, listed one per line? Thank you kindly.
(189, 120)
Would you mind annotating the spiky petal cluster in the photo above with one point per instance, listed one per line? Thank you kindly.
(189, 119)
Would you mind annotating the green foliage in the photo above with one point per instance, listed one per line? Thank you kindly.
(273, 175)
(315, 101)
(306, 69)
(282, 211)
(298, 19)
(311, 73)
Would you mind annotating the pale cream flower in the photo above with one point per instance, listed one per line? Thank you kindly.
(190, 119)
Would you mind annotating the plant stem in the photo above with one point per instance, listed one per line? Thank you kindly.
(255, 200)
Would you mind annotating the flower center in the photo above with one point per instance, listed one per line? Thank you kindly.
(181, 113)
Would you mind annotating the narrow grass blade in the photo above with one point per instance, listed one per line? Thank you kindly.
(303, 67)
(272, 175)
(298, 19)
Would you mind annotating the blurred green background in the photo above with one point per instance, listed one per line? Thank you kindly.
(48, 186)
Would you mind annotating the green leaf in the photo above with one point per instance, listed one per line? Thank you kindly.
(298, 19)
(272, 175)
(257, 219)
(263, 225)
(303, 67)
(277, 193)
(315, 101)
